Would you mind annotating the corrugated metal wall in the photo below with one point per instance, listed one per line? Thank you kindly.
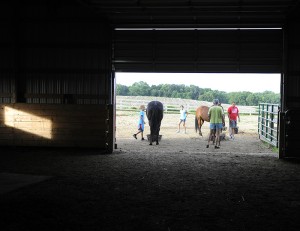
(212, 51)
(65, 62)
(7, 56)
(60, 89)
(7, 88)
(54, 55)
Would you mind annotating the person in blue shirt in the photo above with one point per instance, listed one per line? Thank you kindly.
(183, 115)
(141, 123)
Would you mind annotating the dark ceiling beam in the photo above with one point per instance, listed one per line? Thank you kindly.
(189, 11)
(194, 26)
(197, 18)
(184, 20)
(201, 14)
(190, 8)
(162, 3)
(268, 9)
(169, 12)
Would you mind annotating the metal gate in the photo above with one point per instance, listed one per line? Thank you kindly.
(268, 123)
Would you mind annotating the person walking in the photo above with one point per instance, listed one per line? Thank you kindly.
(183, 115)
(141, 123)
(216, 119)
(233, 115)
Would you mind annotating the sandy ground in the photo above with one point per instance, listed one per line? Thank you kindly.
(246, 141)
(178, 185)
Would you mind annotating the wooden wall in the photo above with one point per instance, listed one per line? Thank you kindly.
(54, 125)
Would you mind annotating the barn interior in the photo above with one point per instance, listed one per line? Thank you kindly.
(60, 168)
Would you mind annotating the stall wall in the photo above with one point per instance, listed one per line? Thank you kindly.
(53, 125)
(54, 64)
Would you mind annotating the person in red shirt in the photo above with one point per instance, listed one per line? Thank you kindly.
(233, 114)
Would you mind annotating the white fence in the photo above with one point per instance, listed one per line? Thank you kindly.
(172, 104)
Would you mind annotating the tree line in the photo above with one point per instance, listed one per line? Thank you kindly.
(245, 98)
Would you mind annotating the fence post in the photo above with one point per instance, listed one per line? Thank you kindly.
(272, 122)
(259, 121)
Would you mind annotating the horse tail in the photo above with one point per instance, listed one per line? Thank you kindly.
(196, 124)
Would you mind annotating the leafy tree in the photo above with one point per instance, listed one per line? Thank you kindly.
(174, 94)
(141, 88)
(122, 90)
(213, 94)
(270, 97)
(252, 99)
(196, 93)
(154, 92)
(221, 96)
(207, 96)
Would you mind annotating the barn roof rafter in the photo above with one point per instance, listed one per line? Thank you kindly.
(150, 13)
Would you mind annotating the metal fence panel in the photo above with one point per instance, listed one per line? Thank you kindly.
(268, 123)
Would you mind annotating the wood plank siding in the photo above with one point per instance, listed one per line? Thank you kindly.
(54, 125)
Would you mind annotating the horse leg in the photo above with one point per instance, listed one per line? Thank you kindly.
(201, 122)
(199, 126)
(150, 140)
(157, 135)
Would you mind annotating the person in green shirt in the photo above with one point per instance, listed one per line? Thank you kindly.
(216, 119)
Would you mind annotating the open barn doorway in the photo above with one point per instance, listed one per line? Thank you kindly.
(192, 90)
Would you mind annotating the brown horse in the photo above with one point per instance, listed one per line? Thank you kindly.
(200, 117)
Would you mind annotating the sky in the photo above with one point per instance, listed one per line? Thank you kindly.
(221, 82)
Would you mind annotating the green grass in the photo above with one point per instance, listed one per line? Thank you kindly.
(270, 146)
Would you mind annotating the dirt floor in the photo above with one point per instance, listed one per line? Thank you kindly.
(246, 141)
(176, 185)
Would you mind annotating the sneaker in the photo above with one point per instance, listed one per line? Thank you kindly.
(143, 138)
(134, 136)
(217, 147)
(177, 131)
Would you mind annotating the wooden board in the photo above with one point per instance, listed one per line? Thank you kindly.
(53, 125)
